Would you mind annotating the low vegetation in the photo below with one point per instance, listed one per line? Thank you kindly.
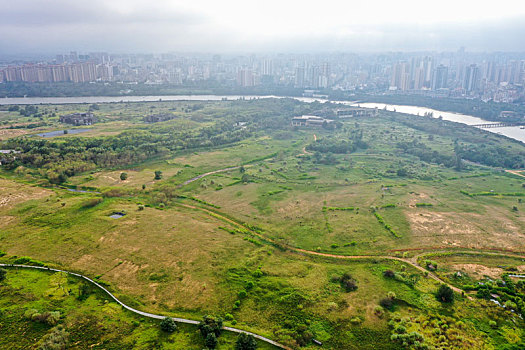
(263, 241)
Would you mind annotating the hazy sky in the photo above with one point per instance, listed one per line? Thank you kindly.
(51, 26)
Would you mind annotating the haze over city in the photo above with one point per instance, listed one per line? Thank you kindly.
(29, 26)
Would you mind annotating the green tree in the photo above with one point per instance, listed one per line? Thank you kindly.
(209, 325)
(123, 176)
(445, 294)
(168, 325)
(3, 273)
(211, 341)
(158, 175)
(245, 342)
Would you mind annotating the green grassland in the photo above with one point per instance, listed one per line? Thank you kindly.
(229, 244)
(95, 322)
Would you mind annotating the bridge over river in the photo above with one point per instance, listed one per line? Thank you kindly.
(497, 125)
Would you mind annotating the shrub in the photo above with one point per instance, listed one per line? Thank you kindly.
(168, 325)
(209, 325)
(249, 285)
(379, 311)
(347, 282)
(431, 265)
(228, 317)
(57, 339)
(92, 202)
(3, 273)
(84, 291)
(242, 294)
(210, 341)
(387, 303)
(50, 318)
(245, 342)
(123, 176)
(158, 175)
(356, 321)
(30, 313)
(445, 294)
(389, 274)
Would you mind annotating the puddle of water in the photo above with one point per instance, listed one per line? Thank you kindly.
(117, 215)
(61, 132)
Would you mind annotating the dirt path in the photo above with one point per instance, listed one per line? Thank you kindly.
(206, 174)
(142, 313)
(305, 152)
(328, 255)
(515, 172)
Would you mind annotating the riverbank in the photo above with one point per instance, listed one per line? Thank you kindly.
(512, 132)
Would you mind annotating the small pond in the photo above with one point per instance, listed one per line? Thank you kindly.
(62, 132)
(117, 215)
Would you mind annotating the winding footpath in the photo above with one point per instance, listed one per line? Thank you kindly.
(327, 255)
(142, 313)
(206, 174)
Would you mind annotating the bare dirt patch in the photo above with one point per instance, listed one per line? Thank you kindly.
(9, 133)
(12, 193)
(476, 270)
(418, 198)
(472, 230)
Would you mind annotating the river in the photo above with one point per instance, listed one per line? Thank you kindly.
(512, 132)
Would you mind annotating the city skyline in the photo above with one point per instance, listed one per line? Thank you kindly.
(499, 76)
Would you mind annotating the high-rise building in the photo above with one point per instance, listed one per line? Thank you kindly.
(472, 78)
(440, 78)
(245, 77)
(419, 78)
(515, 70)
(299, 77)
(267, 67)
(400, 76)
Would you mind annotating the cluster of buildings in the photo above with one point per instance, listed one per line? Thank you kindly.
(325, 116)
(497, 76)
(310, 120)
(50, 73)
(500, 79)
(78, 119)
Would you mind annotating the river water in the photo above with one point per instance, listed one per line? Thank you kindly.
(512, 132)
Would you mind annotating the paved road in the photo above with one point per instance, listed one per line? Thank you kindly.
(142, 313)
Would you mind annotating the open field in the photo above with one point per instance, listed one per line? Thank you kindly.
(92, 323)
(229, 244)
